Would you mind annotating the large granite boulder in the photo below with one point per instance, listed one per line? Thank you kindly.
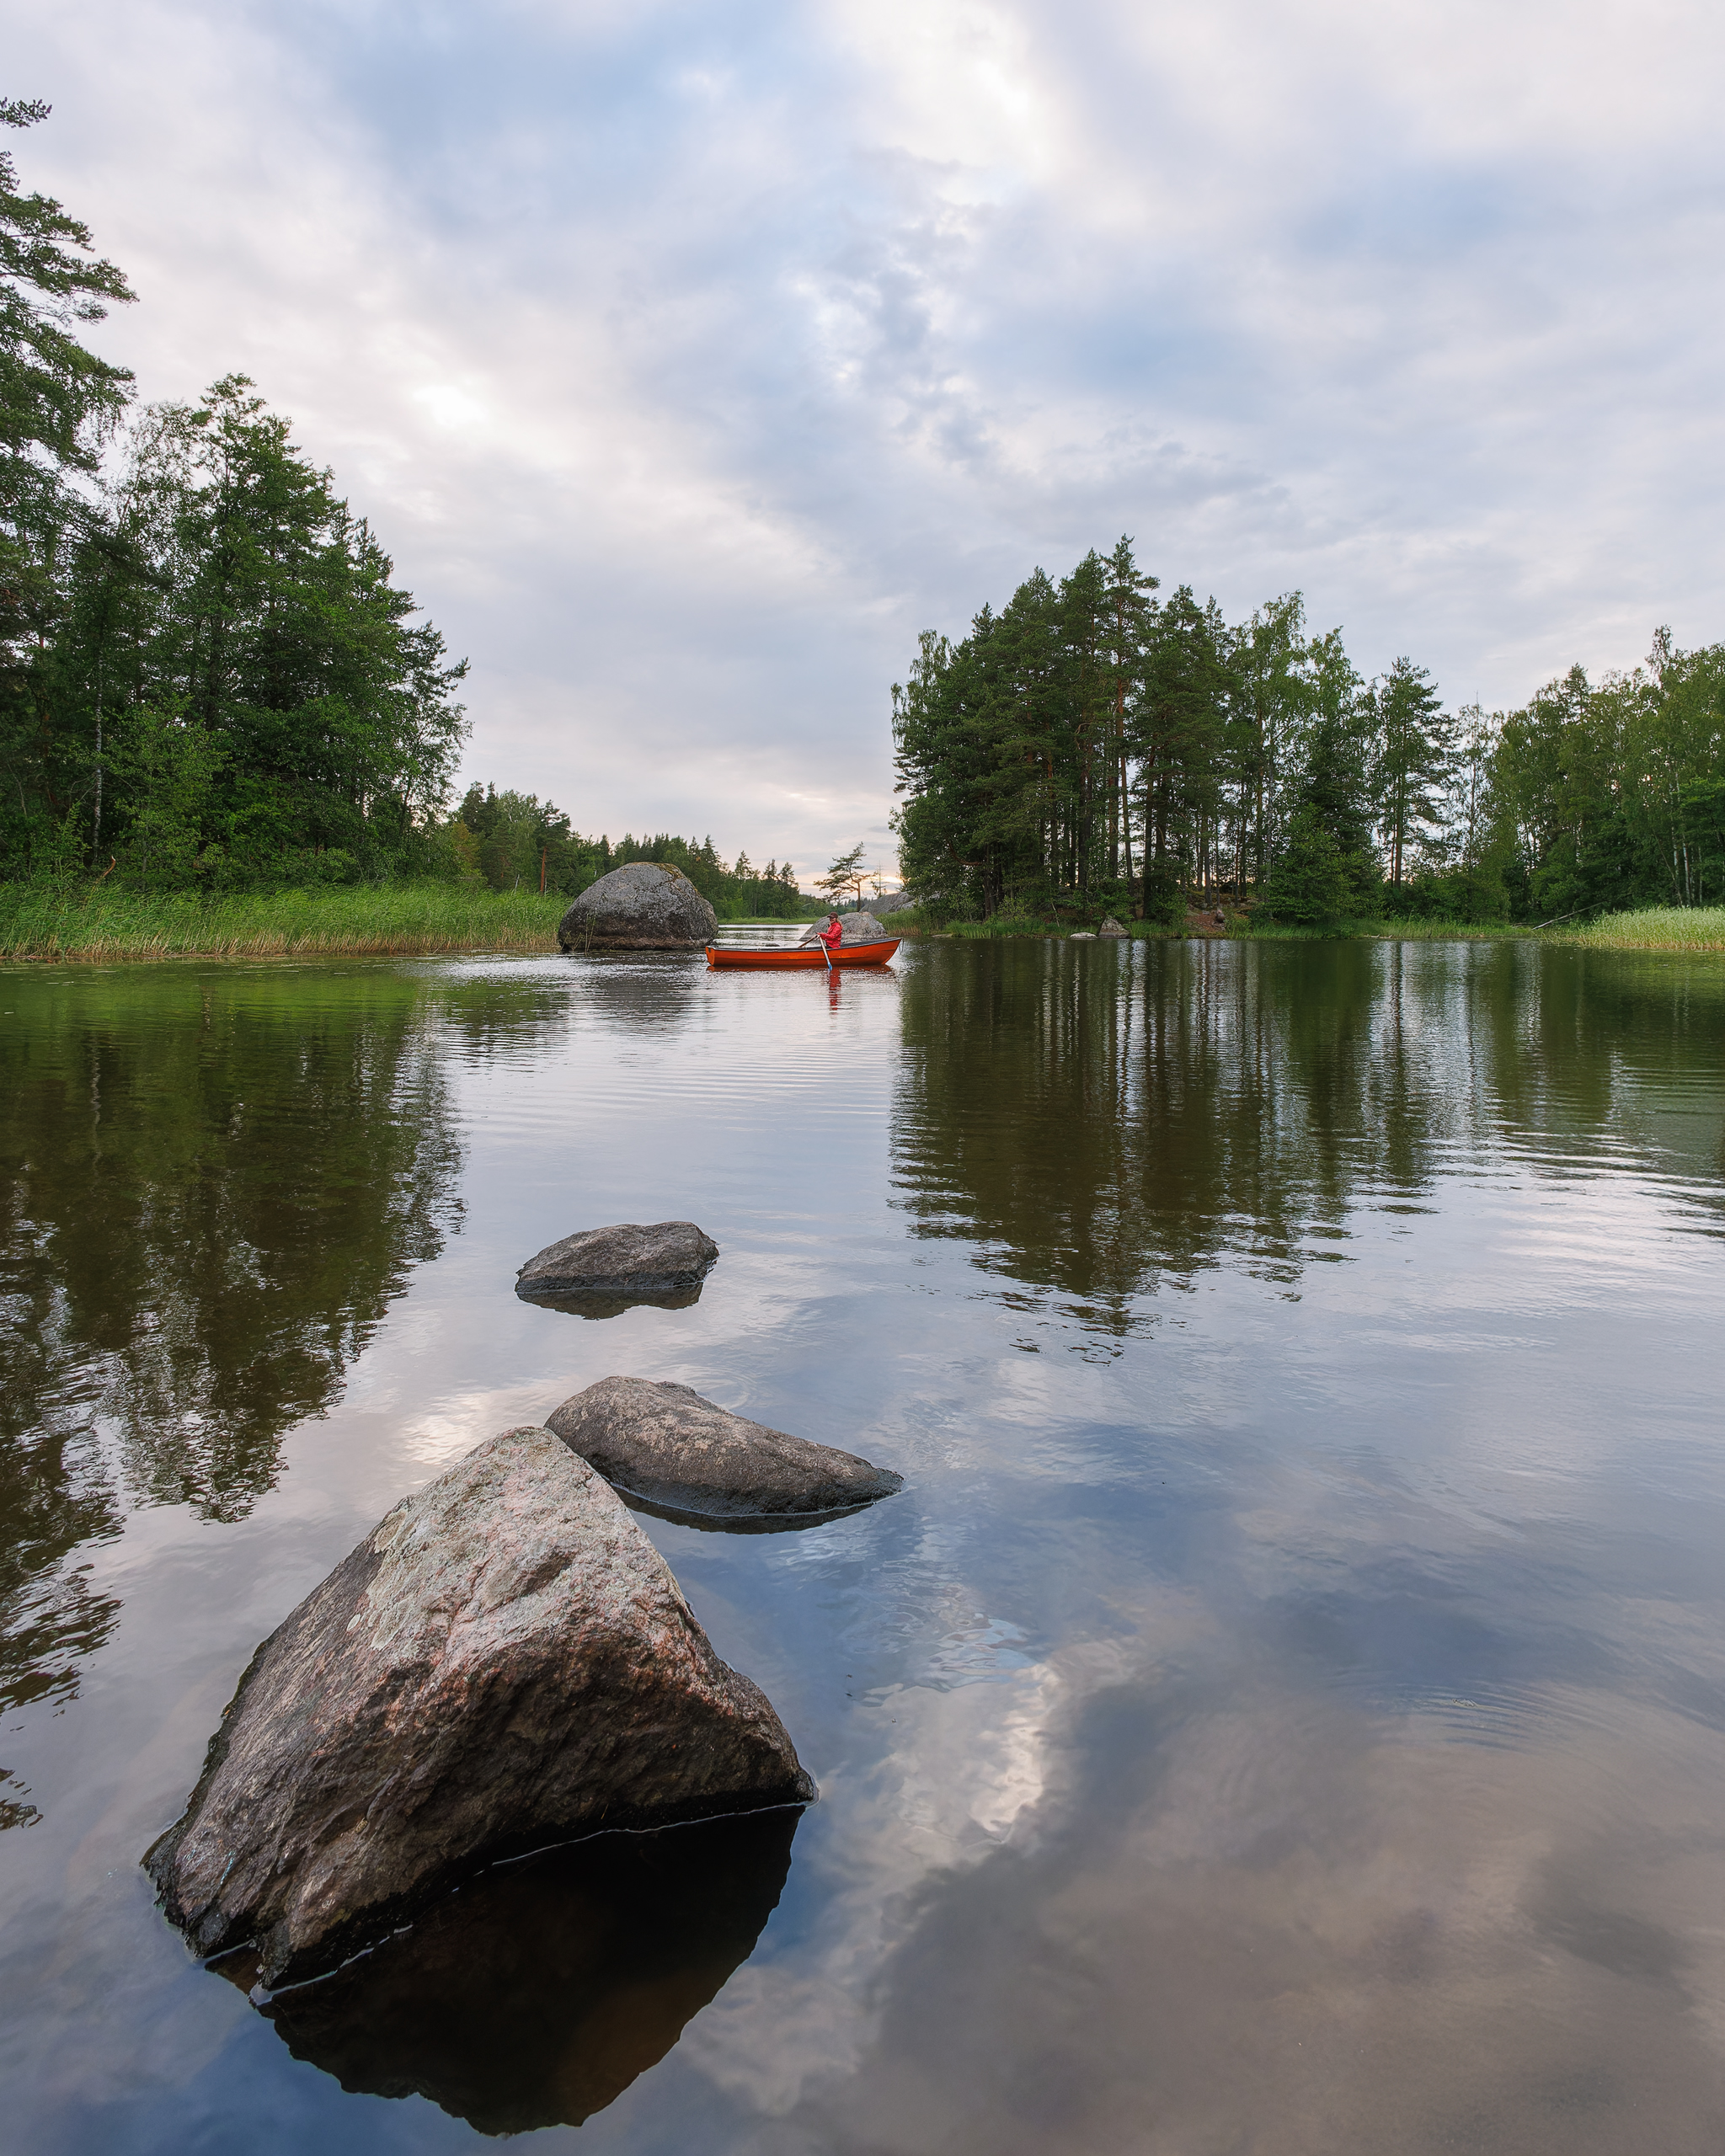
(503, 1663)
(664, 1445)
(647, 905)
(858, 928)
(603, 1270)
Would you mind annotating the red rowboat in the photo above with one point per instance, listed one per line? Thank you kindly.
(802, 954)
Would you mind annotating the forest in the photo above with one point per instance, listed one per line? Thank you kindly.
(209, 678)
(513, 841)
(1095, 744)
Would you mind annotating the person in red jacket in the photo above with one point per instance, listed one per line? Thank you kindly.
(833, 934)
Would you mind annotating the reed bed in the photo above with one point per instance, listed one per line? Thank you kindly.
(1654, 928)
(96, 927)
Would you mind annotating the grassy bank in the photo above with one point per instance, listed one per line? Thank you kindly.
(39, 922)
(1652, 928)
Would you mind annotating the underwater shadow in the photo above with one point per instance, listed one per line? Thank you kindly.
(537, 1994)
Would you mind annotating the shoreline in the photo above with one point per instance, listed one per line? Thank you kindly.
(44, 926)
(1693, 931)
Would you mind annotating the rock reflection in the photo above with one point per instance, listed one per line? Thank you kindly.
(211, 1189)
(535, 1996)
(671, 1299)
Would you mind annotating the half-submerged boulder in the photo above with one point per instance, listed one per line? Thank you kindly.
(666, 1447)
(505, 1661)
(646, 906)
(601, 1270)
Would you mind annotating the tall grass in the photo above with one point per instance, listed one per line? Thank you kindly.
(39, 922)
(1654, 928)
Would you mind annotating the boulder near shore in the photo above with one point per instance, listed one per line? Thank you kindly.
(646, 906)
(668, 1258)
(858, 928)
(666, 1446)
(504, 1662)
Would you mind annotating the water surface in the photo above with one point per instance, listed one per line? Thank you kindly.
(1284, 1711)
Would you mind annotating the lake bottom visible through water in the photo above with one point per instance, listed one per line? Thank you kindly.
(1284, 1710)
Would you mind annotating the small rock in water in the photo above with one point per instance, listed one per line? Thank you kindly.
(1082, 935)
(645, 905)
(666, 1446)
(505, 1661)
(653, 1263)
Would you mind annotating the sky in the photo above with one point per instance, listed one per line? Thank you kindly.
(691, 360)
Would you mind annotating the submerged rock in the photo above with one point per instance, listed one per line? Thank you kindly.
(662, 1261)
(504, 1661)
(646, 906)
(535, 1996)
(667, 1446)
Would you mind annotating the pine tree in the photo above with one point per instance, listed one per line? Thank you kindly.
(1414, 759)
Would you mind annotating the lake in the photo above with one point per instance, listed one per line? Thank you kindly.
(1284, 1710)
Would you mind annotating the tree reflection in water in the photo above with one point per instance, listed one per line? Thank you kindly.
(1105, 1121)
(212, 1184)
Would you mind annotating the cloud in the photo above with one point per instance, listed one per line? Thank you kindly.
(691, 360)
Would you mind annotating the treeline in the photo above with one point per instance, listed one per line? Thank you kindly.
(1095, 744)
(208, 674)
(208, 677)
(514, 841)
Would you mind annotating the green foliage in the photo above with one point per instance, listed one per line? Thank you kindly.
(1652, 928)
(1091, 732)
(206, 673)
(65, 921)
(1615, 792)
(1311, 880)
(58, 401)
(846, 877)
(234, 693)
(511, 841)
(1092, 737)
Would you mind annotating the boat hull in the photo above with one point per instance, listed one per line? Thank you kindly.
(800, 957)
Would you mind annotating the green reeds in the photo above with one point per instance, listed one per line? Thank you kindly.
(60, 922)
(1654, 928)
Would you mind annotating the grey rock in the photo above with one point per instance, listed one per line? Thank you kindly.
(620, 1265)
(1111, 927)
(890, 902)
(858, 928)
(647, 905)
(666, 1446)
(504, 1662)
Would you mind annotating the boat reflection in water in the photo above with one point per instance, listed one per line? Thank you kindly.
(539, 1992)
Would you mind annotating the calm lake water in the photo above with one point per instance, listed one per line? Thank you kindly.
(1284, 1711)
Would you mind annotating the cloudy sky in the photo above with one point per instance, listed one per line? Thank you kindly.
(690, 359)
